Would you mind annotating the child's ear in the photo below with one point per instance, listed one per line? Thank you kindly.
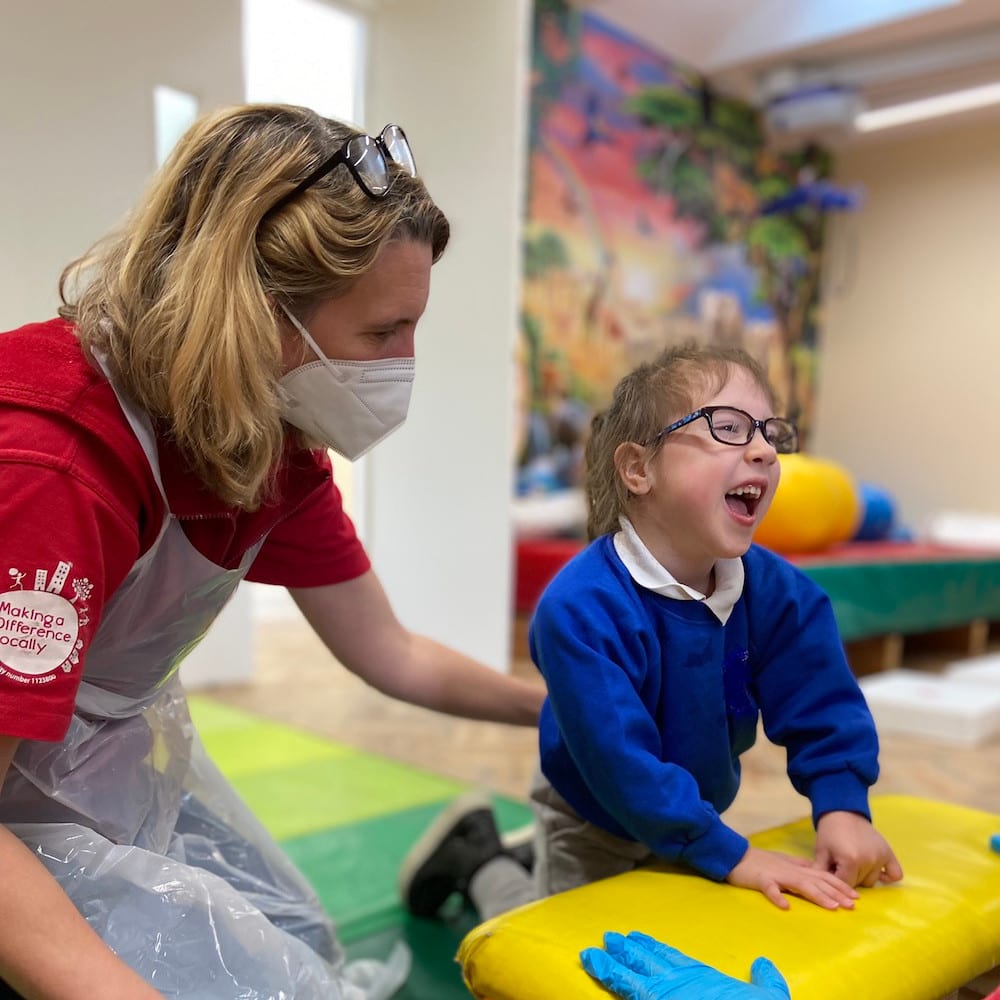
(631, 465)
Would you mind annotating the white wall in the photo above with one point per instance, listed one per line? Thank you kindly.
(453, 74)
(76, 122)
(911, 347)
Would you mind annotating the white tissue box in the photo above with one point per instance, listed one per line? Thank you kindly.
(935, 706)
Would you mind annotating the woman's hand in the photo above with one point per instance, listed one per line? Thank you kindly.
(774, 874)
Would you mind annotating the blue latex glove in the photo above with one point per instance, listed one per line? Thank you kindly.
(995, 842)
(639, 967)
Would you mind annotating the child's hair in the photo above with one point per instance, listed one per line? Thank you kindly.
(181, 300)
(643, 403)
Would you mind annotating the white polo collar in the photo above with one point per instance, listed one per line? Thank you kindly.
(647, 572)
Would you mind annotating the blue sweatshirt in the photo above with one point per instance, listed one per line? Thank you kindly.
(652, 700)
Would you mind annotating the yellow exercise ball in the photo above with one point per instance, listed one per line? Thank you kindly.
(817, 505)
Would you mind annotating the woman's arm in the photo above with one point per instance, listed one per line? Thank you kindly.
(47, 950)
(356, 622)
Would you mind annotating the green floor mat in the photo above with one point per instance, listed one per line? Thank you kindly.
(335, 792)
(347, 819)
(354, 867)
(298, 784)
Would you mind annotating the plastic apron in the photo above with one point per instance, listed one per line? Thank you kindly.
(143, 832)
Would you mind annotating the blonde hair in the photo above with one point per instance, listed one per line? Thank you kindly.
(181, 299)
(643, 403)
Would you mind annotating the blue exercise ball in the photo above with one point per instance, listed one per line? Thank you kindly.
(878, 517)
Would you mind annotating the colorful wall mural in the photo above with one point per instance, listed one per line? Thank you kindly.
(655, 213)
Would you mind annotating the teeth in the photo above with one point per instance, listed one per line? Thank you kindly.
(745, 491)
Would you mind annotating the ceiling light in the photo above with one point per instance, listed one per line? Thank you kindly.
(930, 107)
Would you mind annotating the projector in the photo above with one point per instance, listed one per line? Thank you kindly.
(811, 110)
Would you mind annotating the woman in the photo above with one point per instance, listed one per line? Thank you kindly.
(162, 440)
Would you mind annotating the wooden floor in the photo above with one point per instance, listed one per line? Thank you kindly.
(297, 682)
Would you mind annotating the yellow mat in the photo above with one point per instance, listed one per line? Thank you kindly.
(916, 940)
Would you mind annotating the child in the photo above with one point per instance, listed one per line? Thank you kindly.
(664, 640)
(661, 644)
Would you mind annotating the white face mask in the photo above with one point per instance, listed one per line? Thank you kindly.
(348, 405)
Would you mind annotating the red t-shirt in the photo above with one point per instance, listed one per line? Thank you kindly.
(80, 504)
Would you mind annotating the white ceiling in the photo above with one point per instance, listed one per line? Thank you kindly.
(888, 50)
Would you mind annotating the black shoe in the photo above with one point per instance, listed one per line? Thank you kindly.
(452, 849)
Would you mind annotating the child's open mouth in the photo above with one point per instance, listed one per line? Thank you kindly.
(743, 500)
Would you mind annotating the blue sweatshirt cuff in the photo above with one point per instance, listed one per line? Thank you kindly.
(716, 852)
(840, 792)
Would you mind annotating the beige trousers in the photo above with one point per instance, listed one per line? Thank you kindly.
(569, 851)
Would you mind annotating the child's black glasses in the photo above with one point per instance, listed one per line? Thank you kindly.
(729, 425)
(367, 159)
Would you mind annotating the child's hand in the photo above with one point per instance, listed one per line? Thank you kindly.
(848, 846)
(773, 874)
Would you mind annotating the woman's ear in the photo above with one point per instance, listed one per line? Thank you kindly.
(631, 465)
